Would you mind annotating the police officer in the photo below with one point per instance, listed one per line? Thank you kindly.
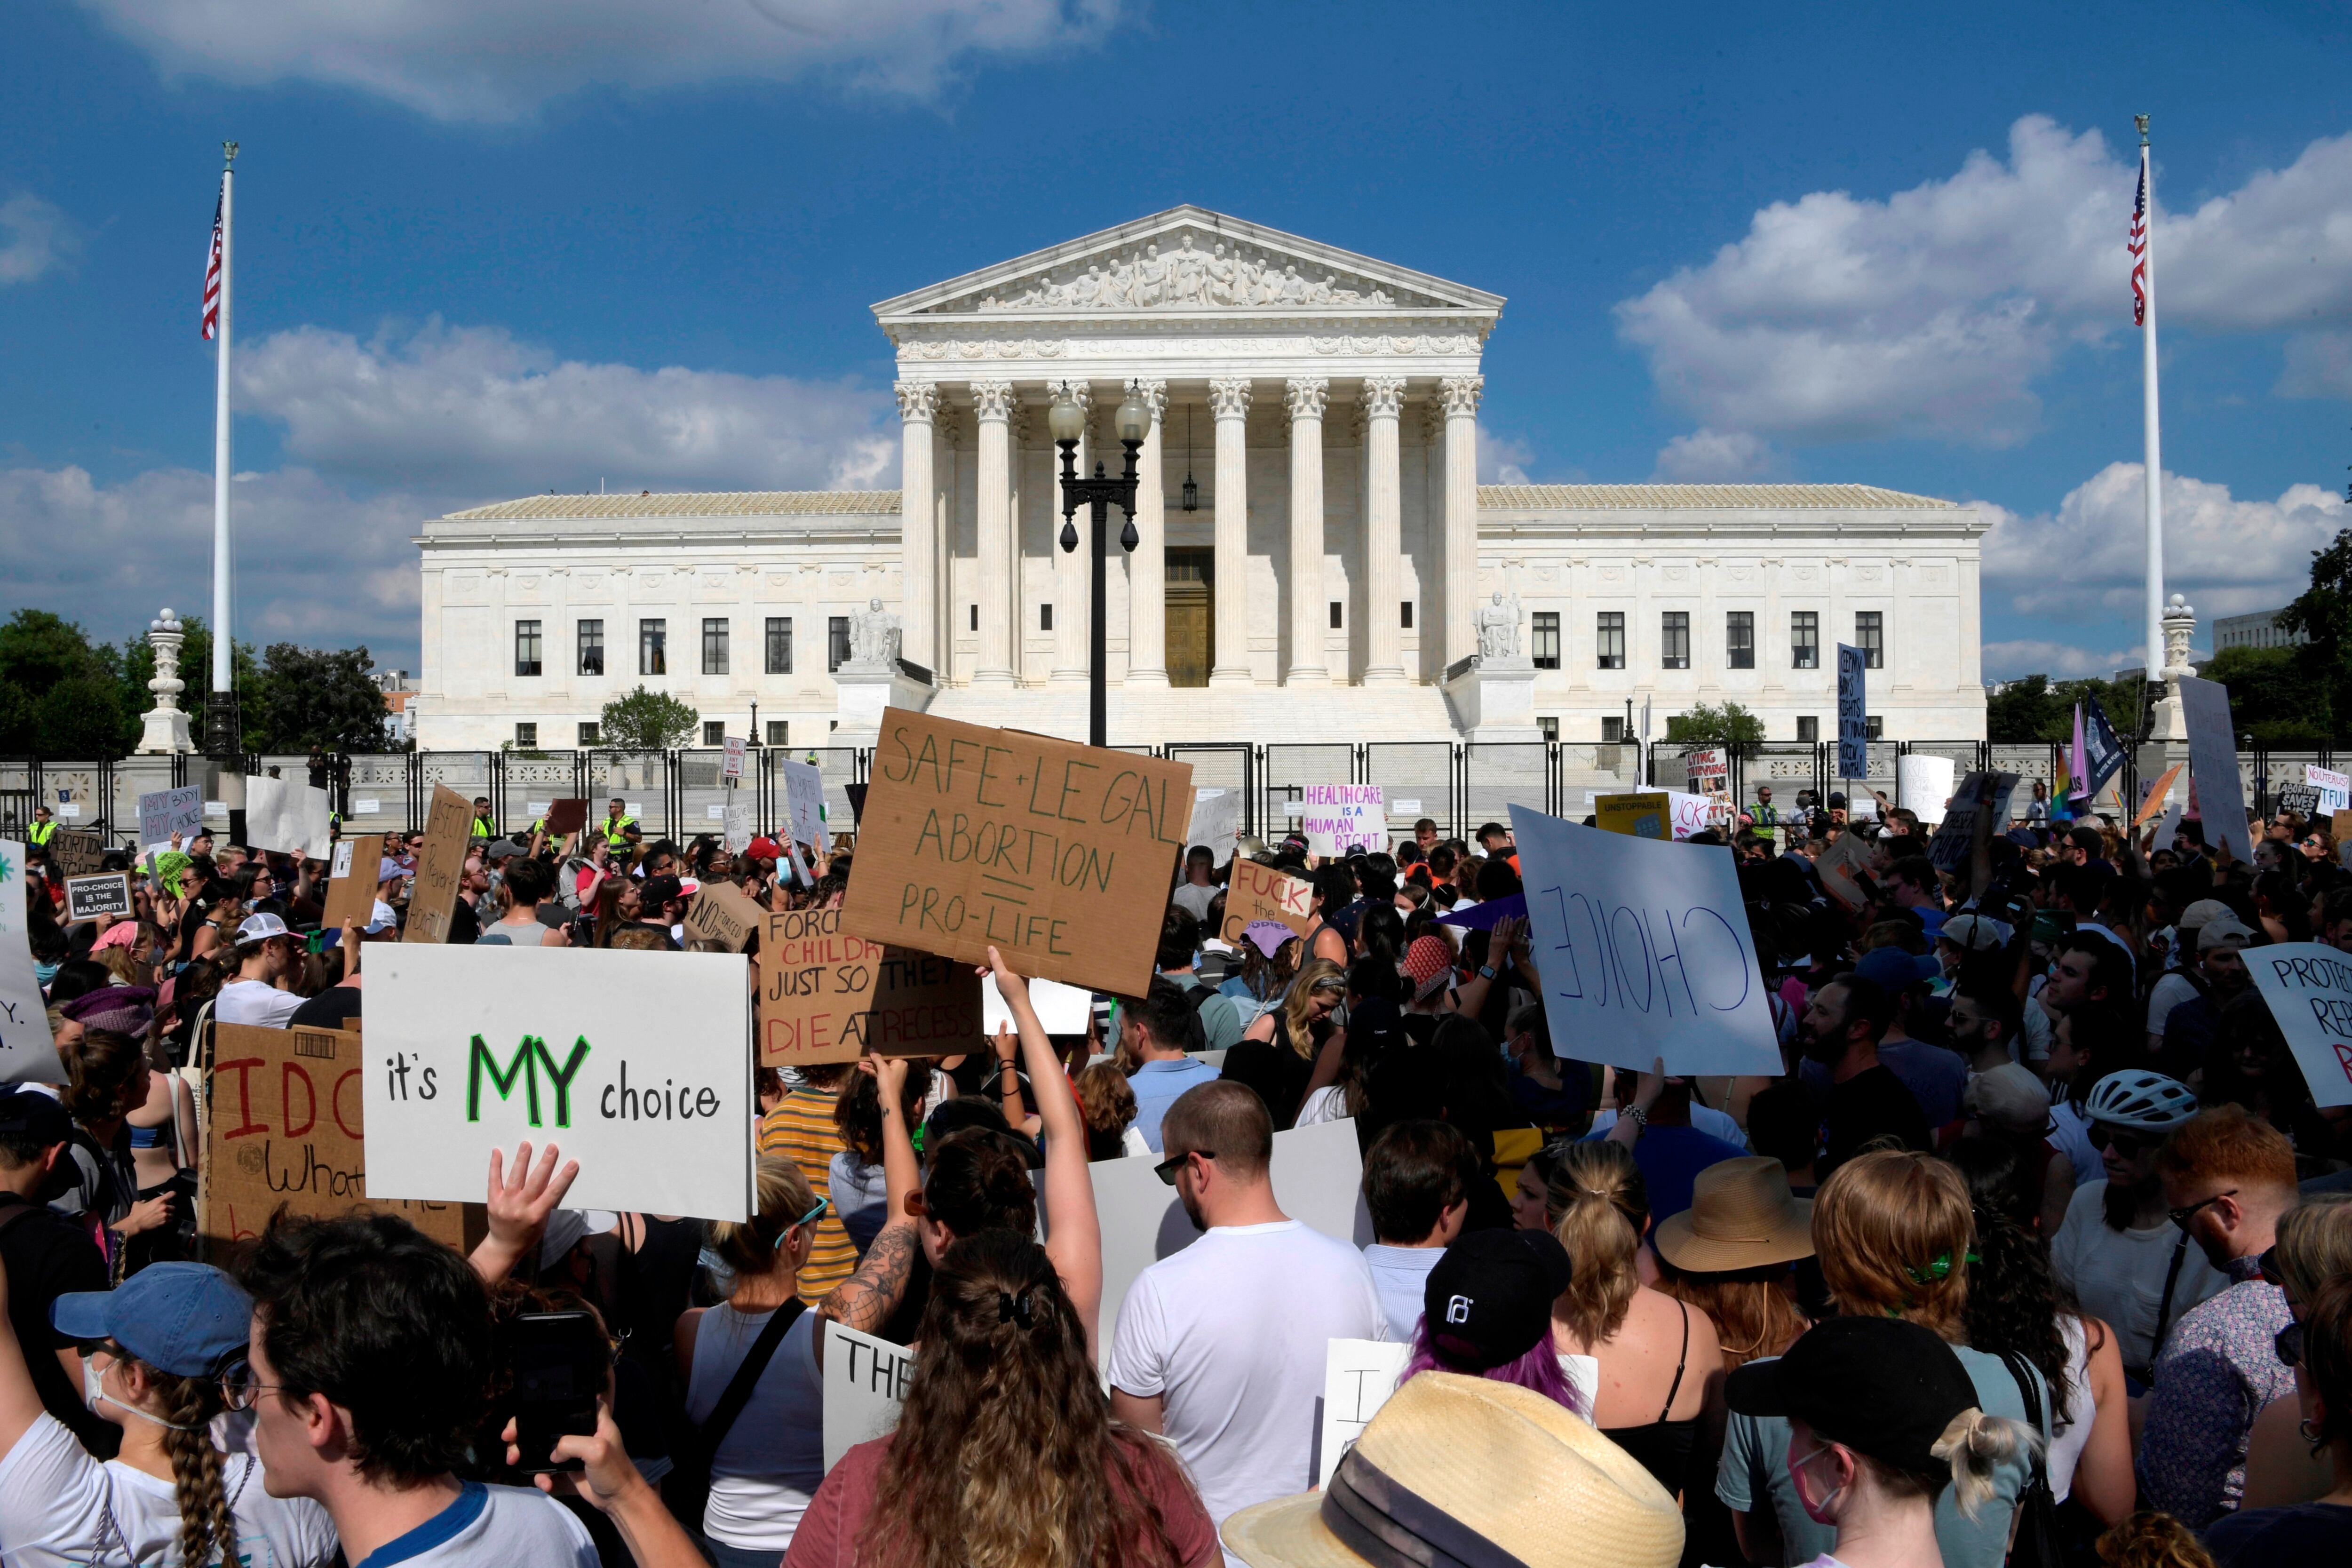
(1765, 813)
(619, 829)
(484, 828)
(38, 834)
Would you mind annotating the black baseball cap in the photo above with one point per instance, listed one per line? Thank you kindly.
(29, 1114)
(1879, 1385)
(659, 890)
(1487, 1303)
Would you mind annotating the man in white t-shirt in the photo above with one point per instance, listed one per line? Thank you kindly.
(1221, 1347)
(265, 953)
(1417, 1177)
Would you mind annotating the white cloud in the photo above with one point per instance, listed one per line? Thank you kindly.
(1717, 457)
(2228, 556)
(502, 60)
(2318, 364)
(1932, 312)
(2065, 661)
(38, 238)
(1503, 459)
(473, 409)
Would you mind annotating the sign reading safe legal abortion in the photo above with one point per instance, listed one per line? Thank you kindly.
(1058, 856)
(637, 1064)
(1644, 951)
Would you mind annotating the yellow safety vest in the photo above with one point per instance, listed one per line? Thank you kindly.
(616, 833)
(485, 828)
(37, 836)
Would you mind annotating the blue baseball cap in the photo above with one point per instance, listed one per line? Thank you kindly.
(1892, 969)
(187, 1319)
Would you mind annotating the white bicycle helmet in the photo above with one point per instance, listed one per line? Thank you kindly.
(2142, 1100)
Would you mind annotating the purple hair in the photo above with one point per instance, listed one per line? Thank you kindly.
(1539, 1368)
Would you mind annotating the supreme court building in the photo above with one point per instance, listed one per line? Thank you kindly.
(1317, 558)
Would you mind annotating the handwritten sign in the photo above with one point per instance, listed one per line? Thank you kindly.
(741, 824)
(1216, 822)
(637, 1064)
(825, 995)
(352, 881)
(1342, 818)
(1923, 784)
(1955, 837)
(2213, 764)
(163, 812)
(1057, 855)
(1359, 1375)
(29, 1053)
(1653, 814)
(287, 1130)
(432, 898)
(865, 1386)
(2308, 985)
(1258, 892)
(287, 817)
(723, 913)
(803, 800)
(1852, 715)
(1644, 951)
(2334, 788)
(76, 854)
(1710, 772)
(98, 898)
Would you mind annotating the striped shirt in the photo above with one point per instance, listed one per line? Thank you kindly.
(801, 1130)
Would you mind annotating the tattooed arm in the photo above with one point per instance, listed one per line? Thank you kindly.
(866, 1299)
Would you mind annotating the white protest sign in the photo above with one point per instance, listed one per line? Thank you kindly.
(367, 805)
(864, 1385)
(1216, 822)
(2168, 828)
(1359, 1375)
(803, 800)
(1318, 1173)
(1063, 1009)
(731, 763)
(2214, 765)
(29, 1053)
(1923, 784)
(287, 818)
(1341, 818)
(714, 813)
(2308, 985)
(163, 812)
(742, 827)
(1710, 772)
(637, 1064)
(1690, 813)
(2334, 788)
(1644, 951)
(1405, 807)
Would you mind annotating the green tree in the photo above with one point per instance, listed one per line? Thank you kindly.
(2033, 708)
(1710, 726)
(316, 699)
(646, 721)
(2275, 695)
(2322, 614)
(60, 695)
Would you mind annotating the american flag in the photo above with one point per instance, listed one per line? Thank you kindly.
(212, 280)
(2138, 246)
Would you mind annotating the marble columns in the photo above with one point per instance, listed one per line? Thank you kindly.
(1458, 557)
(919, 404)
(1229, 401)
(1146, 569)
(1383, 399)
(1304, 401)
(993, 402)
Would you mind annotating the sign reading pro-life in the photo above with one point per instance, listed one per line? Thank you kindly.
(637, 1064)
(1058, 856)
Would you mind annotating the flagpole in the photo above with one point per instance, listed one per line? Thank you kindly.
(2155, 487)
(222, 740)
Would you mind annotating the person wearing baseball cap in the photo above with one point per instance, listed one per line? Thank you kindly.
(266, 953)
(45, 1252)
(1487, 1312)
(154, 1353)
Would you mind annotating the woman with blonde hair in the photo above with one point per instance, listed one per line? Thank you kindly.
(1891, 1230)
(1643, 1359)
(1277, 1054)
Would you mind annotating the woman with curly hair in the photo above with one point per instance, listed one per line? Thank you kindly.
(1005, 1452)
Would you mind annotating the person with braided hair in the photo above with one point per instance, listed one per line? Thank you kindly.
(163, 1341)
(1007, 1451)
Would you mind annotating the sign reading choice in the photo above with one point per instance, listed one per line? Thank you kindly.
(2308, 985)
(1058, 856)
(1644, 951)
(638, 1065)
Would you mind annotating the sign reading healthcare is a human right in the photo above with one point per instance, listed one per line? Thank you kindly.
(638, 1065)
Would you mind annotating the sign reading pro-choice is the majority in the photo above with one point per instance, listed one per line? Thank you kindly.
(1057, 855)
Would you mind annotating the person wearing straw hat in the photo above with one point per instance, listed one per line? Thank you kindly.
(1473, 1471)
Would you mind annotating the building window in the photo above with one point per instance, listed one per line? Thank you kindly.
(591, 734)
(1044, 617)
(714, 731)
(1609, 640)
(1612, 731)
(1404, 615)
(653, 647)
(1545, 640)
(1873, 728)
(1808, 729)
(779, 645)
(1547, 728)
(780, 731)
(1336, 623)
(526, 647)
(1739, 639)
(1674, 639)
(1804, 640)
(836, 642)
(527, 737)
(975, 617)
(714, 647)
(591, 647)
(1870, 637)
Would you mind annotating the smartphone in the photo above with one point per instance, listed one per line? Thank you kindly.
(560, 1363)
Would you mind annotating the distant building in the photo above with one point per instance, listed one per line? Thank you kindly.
(399, 719)
(2259, 629)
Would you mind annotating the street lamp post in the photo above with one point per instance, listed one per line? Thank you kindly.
(1068, 421)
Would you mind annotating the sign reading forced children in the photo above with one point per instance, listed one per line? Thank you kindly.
(1057, 855)
(637, 1065)
(827, 996)
(433, 899)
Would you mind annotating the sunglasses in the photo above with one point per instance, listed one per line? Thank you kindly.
(2126, 1144)
(2182, 1217)
(2288, 1343)
(1166, 1170)
(810, 1217)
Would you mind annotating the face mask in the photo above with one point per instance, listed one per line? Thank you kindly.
(1818, 1512)
(93, 1394)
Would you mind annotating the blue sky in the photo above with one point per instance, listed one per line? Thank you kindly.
(485, 249)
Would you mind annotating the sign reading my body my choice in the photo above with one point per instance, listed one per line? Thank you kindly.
(637, 1064)
(1058, 856)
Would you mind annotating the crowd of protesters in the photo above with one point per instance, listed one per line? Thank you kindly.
(2036, 1249)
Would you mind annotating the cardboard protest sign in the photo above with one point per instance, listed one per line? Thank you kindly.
(2213, 764)
(724, 914)
(1341, 818)
(2159, 795)
(2300, 799)
(1257, 892)
(825, 995)
(2340, 829)
(2169, 827)
(98, 897)
(1852, 716)
(286, 1128)
(1923, 784)
(77, 854)
(1359, 1375)
(1644, 951)
(287, 818)
(2308, 985)
(1062, 1009)
(743, 826)
(568, 815)
(29, 1053)
(1318, 1173)
(1216, 822)
(864, 1385)
(1654, 813)
(351, 880)
(803, 800)
(440, 867)
(1847, 857)
(637, 1064)
(2334, 788)
(1955, 837)
(1057, 855)
(163, 812)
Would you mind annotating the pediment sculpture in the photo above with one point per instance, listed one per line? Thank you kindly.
(1186, 278)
